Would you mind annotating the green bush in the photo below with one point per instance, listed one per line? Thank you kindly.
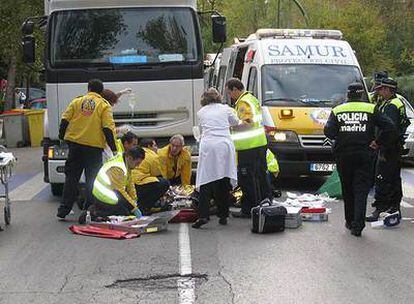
(406, 86)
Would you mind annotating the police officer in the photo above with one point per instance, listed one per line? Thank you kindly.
(87, 126)
(388, 187)
(373, 95)
(251, 146)
(352, 126)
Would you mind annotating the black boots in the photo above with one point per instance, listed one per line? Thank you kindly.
(374, 216)
(223, 221)
(200, 222)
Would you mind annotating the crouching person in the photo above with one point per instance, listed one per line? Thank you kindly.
(113, 189)
(149, 183)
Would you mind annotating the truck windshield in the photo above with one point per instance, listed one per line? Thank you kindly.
(115, 36)
(307, 84)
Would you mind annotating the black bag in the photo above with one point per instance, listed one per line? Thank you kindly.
(268, 217)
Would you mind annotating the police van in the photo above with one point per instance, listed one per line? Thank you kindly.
(299, 76)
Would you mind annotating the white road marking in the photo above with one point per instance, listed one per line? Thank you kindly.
(28, 190)
(186, 284)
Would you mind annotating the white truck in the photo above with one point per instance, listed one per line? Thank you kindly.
(153, 47)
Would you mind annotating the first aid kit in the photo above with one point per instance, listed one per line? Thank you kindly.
(314, 214)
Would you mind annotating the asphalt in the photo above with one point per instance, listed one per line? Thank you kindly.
(42, 262)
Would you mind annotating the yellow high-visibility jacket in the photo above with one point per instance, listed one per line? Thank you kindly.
(173, 167)
(148, 170)
(87, 116)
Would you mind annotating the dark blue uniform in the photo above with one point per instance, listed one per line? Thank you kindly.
(352, 126)
(388, 184)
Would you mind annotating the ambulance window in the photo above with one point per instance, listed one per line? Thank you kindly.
(252, 82)
(221, 75)
(238, 67)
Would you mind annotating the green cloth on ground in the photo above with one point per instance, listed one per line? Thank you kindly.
(332, 186)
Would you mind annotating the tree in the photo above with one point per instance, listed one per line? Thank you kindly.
(398, 17)
(363, 28)
(12, 14)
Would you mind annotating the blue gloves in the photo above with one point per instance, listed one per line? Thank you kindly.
(137, 213)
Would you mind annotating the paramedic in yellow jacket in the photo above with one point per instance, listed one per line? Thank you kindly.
(147, 177)
(175, 162)
(87, 126)
(128, 141)
(113, 188)
(251, 146)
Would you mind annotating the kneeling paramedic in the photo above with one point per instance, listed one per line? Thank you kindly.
(113, 188)
(149, 183)
(352, 126)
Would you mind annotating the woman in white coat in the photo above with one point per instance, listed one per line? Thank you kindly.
(217, 169)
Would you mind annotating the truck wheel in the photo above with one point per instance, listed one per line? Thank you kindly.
(57, 189)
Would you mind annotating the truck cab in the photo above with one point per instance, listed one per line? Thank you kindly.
(152, 47)
(299, 76)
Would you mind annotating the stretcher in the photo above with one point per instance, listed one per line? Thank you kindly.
(7, 163)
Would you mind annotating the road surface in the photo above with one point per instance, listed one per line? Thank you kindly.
(42, 262)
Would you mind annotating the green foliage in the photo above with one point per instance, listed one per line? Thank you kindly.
(363, 29)
(12, 14)
(406, 86)
(380, 31)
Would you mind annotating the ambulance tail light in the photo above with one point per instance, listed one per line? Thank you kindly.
(250, 56)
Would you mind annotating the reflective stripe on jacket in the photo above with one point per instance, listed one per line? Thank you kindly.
(272, 164)
(119, 146)
(102, 189)
(402, 121)
(255, 136)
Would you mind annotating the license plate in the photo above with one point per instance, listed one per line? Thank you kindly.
(322, 167)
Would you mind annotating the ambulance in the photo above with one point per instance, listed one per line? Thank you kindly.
(299, 76)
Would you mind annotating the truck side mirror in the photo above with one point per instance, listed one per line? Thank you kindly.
(27, 28)
(28, 44)
(219, 27)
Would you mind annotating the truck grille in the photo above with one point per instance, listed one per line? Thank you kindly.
(150, 119)
(315, 141)
(137, 119)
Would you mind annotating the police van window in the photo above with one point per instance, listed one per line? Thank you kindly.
(124, 36)
(252, 81)
(307, 84)
(221, 78)
(238, 67)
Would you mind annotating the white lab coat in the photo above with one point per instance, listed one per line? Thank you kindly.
(217, 155)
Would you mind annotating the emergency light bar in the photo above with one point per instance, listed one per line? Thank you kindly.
(291, 33)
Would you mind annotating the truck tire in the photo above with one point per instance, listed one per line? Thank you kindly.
(57, 189)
